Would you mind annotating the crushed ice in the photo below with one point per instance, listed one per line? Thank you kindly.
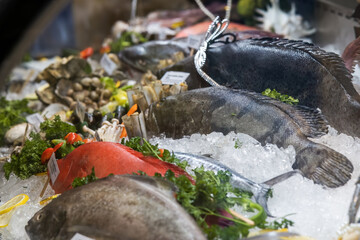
(316, 211)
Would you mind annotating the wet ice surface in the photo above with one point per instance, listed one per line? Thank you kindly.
(318, 212)
(12, 187)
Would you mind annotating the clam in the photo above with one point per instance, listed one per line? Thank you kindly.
(17, 133)
(54, 109)
(46, 95)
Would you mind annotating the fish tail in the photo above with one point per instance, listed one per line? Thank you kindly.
(261, 197)
(323, 165)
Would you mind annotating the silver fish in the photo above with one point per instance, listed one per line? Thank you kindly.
(259, 190)
(267, 120)
(120, 206)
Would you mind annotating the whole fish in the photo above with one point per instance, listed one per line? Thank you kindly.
(224, 110)
(107, 158)
(147, 56)
(317, 78)
(259, 190)
(117, 207)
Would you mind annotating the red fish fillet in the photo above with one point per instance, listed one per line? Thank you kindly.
(204, 26)
(107, 158)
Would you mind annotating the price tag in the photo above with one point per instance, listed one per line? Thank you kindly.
(173, 77)
(53, 168)
(79, 236)
(194, 41)
(108, 65)
(35, 120)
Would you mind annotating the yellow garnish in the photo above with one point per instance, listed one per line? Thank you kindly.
(46, 200)
(41, 174)
(7, 209)
(117, 84)
(177, 24)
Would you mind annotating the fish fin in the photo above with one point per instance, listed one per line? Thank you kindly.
(351, 54)
(331, 61)
(310, 121)
(282, 177)
(323, 165)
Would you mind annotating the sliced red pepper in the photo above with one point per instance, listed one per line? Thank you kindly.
(87, 52)
(45, 156)
(72, 137)
(161, 152)
(57, 146)
(132, 109)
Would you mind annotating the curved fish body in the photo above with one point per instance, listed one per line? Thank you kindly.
(147, 56)
(117, 207)
(224, 110)
(259, 190)
(317, 78)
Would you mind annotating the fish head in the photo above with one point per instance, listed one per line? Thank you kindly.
(46, 223)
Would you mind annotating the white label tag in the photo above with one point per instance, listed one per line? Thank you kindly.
(194, 41)
(173, 77)
(35, 120)
(53, 168)
(108, 65)
(79, 236)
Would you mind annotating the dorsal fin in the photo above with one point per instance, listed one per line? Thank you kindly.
(351, 54)
(310, 121)
(331, 61)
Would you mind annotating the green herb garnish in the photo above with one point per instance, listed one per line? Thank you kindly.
(85, 180)
(277, 224)
(152, 150)
(126, 39)
(278, 96)
(56, 129)
(27, 162)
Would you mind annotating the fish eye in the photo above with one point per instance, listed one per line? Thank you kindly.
(38, 217)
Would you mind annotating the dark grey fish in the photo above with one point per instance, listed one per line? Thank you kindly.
(147, 56)
(317, 78)
(224, 110)
(117, 207)
(259, 190)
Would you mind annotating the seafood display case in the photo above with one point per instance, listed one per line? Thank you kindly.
(196, 119)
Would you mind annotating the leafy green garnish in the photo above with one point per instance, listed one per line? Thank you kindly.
(238, 144)
(205, 200)
(12, 113)
(152, 150)
(278, 96)
(277, 224)
(56, 129)
(85, 180)
(27, 162)
(126, 39)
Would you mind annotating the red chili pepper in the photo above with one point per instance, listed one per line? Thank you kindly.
(46, 155)
(161, 152)
(87, 52)
(72, 137)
